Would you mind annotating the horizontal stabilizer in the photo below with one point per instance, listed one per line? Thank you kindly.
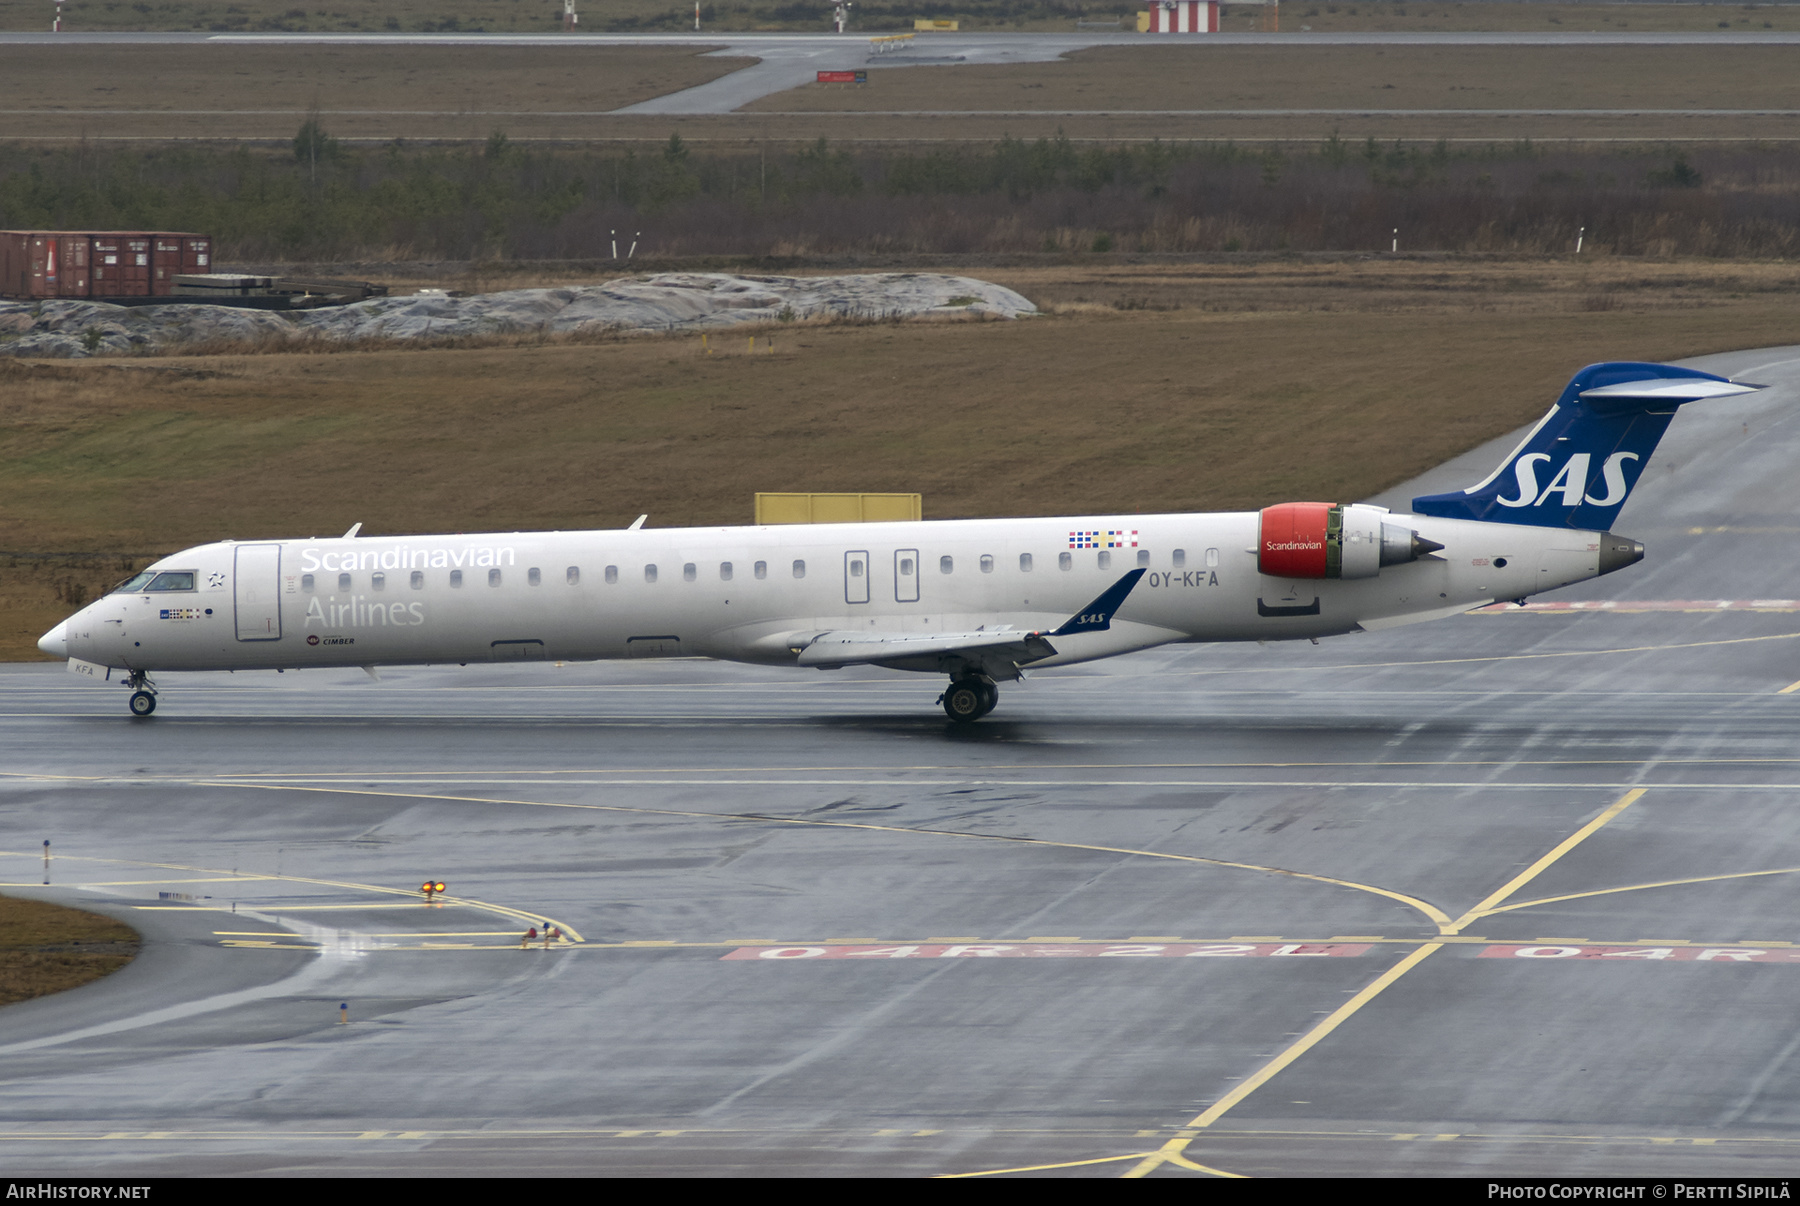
(1670, 392)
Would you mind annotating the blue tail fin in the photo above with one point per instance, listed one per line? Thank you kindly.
(1576, 468)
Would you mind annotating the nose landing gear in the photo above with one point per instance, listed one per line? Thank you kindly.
(143, 693)
(969, 698)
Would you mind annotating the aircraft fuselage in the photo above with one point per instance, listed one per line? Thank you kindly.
(758, 594)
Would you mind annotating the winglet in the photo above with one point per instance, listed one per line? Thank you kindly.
(637, 523)
(354, 529)
(1097, 616)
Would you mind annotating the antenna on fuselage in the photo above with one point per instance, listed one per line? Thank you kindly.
(354, 529)
(637, 523)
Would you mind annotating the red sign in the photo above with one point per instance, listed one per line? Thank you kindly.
(843, 77)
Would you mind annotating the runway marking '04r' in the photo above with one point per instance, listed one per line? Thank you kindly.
(1680, 954)
(1018, 950)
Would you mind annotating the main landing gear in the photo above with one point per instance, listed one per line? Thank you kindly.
(143, 693)
(969, 698)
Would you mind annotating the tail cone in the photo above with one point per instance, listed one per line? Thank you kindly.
(1617, 552)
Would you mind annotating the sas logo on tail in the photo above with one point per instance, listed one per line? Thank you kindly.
(1571, 481)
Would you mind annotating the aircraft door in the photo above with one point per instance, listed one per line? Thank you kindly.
(906, 575)
(256, 584)
(856, 576)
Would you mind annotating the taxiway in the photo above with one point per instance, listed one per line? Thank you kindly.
(1507, 894)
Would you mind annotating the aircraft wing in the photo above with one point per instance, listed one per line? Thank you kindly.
(999, 653)
(853, 648)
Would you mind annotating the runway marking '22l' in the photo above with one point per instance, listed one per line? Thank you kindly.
(1003, 950)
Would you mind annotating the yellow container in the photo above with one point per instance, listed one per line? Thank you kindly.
(924, 25)
(1143, 22)
(838, 508)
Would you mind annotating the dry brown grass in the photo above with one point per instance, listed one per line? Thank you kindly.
(1501, 17)
(1229, 76)
(445, 91)
(45, 948)
(1148, 388)
(234, 92)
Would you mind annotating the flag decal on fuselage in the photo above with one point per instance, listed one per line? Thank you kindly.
(1108, 539)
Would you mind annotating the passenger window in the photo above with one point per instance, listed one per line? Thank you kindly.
(689, 572)
(761, 569)
(573, 575)
(343, 581)
(534, 576)
(799, 569)
(418, 580)
(1179, 558)
(1025, 563)
(456, 579)
(1212, 558)
(377, 581)
(946, 565)
(306, 583)
(856, 567)
(1064, 561)
(493, 577)
(649, 573)
(1105, 559)
(612, 574)
(724, 571)
(177, 580)
(906, 567)
(1143, 556)
(987, 564)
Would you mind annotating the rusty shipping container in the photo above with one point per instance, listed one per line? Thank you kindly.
(98, 264)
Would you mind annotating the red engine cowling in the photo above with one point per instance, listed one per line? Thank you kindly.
(1293, 542)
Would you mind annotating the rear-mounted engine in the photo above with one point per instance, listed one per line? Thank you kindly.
(1332, 540)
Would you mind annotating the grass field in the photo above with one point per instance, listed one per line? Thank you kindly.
(230, 92)
(541, 16)
(1335, 77)
(46, 948)
(1176, 387)
(107, 87)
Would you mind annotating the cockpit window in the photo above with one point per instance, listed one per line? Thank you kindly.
(133, 584)
(172, 580)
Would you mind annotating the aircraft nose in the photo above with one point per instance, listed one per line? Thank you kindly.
(56, 641)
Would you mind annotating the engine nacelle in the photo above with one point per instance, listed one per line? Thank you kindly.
(1333, 540)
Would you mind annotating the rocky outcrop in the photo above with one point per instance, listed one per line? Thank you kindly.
(675, 301)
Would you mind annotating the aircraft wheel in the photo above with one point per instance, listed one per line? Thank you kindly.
(965, 701)
(142, 703)
(990, 695)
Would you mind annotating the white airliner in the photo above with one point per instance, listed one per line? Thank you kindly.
(978, 600)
